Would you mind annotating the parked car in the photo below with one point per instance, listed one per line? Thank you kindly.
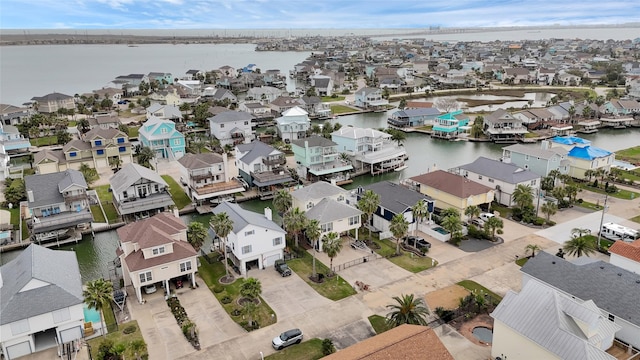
(477, 222)
(282, 267)
(486, 216)
(359, 245)
(417, 242)
(178, 282)
(150, 289)
(289, 337)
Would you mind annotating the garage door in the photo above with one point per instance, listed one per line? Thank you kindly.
(17, 350)
(270, 260)
(102, 162)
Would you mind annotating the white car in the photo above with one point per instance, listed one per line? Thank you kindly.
(150, 289)
(289, 337)
(486, 216)
(477, 222)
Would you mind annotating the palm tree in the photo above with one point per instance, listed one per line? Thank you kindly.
(249, 309)
(532, 248)
(251, 288)
(398, 227)
(589, 174)
(472, 211)
(368, 204)
(579, 232)
(98, 295)
(407, 310)
(138, 347)
(282, 201)
(145, 155)
(295, 221)
(572, 192)
(420, 210)
(549, 208)
(453, 225)
(492, 224)
(196, 235)
(331, 245)
(115, 162)
(523, 196)
(313, 232)
(450, 212)
(222, 226)
(579, 246)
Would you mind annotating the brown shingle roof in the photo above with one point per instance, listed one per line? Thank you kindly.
(181, 250)
(406, 342)
(200, 161)
(629, 250)
(453, 184)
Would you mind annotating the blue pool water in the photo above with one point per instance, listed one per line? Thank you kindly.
(441, 230)
(191, 124)
(91, 315)
(483, 334)
(5, 234)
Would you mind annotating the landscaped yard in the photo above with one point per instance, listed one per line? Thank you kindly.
(308, 350)
(133, 131)
(407, 260)
(341, 109)
(119, 337)
(44, 141)
(177, 194)
(211, 273)
(589, 205)
(106, 199)
(520, 262)
(476, 288)
(331, 98)
(379, 323)
(425, 128)
(631, 155)
(103, 193)
(334, 288)
(620, 194)
(97, 214)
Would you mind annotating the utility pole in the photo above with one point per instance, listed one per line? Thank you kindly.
(604, 209)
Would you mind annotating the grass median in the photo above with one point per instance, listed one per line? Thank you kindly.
(334, 288)
(308, 350)
(406, 260)
(177, 194)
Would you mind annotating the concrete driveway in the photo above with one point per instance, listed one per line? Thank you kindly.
(562, 232)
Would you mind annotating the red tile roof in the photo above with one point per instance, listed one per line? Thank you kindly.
(453, 184)
(629, 250)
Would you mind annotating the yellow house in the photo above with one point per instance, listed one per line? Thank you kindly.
(453, 191)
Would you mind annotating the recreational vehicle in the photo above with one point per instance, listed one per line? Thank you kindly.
(614, 231)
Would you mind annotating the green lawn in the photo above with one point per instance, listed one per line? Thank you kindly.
(96, 211)
(589, 205)
(15, 217)
(103, 193)
(133, 131)
(334, 288)
(474, 287)
(407, 260)
(112, 213)
(330, 99)
(341, 109)
(73, 123)
(604, 243)
(379, 323)
(630, 154)
(620, 194)
(179, 196)
(211, 273)
(110, 319)
(44, 141)
(106, 199)
(520, 262)
(425, 128)
(25, 230)
(119, 337)
(307, 350)
(635, 219)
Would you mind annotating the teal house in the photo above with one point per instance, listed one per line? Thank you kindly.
(449, 125)
(163, 138)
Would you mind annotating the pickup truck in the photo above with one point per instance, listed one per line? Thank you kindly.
(282, 268)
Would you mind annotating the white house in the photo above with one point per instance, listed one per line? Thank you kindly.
(262, 166)
(165, 112)
(41, 302)
(207, 176)
(368, 147)
(293, 124)
(255, 242)
(232, 127)
(155, 250)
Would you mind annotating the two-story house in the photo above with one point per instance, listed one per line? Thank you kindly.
(232, 127)
(583, 156)
(318, 158)
(165, 112)
(501, 126)
(207, 177)
(163, 138)
(11, 141)
(50, 103)
(104, 121)
(108, 147)
(13, 115)
(262, 166)
(259, 111)
(450, 125)
(540, 160)
(155, 250)
(57, 202)
(139, 192)
(255, 242)
(293, 124)
(41, 292)
(264, 94)
(370, 98)
(413, 117)
(369, 148)
(501, 176)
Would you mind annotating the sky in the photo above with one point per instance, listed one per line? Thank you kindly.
(309, 14)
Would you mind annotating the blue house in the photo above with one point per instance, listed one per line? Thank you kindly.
(450, 125)
(163, 138)
(413, 117)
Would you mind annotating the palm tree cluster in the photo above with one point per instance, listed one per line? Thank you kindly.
(368, 204)
(98, 295)
(580, 244)
(399, 227)
(222, 225)
(452, 223)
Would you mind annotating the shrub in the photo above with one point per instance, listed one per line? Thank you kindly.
(226, 299)
(539, 221)
(129, 329)
(551, 222)
(500, 232)
(218, 289)
(444, 314)
(105, 349)
(327, 347)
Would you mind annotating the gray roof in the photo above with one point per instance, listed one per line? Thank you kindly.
(509, 173)
(58, 269)
(317, 190)
(131, 173)
(394, 197)
(229, 116)
(328, 210)
(613, 289)
(200, 161)
(536, 151)
(241, 217)
(314, 141)
(256, 149)
(47, 188)
(52, 97)
(550, 319)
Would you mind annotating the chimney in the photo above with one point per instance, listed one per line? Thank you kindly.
(30, 195)
(225, 167)
(545, 144)
(267, 214)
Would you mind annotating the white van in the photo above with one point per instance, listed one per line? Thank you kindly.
(486, 216)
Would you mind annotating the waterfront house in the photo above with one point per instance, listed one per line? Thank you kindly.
(370, 98)
(533, 118)
(394, 199)
(41, 302)
(109, 93)
(543, 323)
(155, 250)
(626, 255)
(501, 176)
(220, 95)
(232, 127)
(57, 202)
(450, 190)
(130, 84)
(262, 166)
(619, 107)
(583, 156)
(369, 148)
(318, 158)
(193, 74)
(323, 84)
(228, 71)
(613, 289)
(502, 127)
(207, 177)
(540, 160)
(284, 103)
(164, 112)
(11, 141)
(108, 147)
(450, 125)
(13, 115)
(162, 137)
(315, 107)
(255, 242)
(51, 103)
(162, 78)
(104, 121)
(413, 117)
(264, 94)
(293, 124)
(259, 111)
(191, 88)
(139, 192)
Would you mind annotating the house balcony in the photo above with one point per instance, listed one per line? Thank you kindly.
(151, 202)
(198, 177)
(61, 220)
(71, 198)
(385, 154)
(274, 161)
(330, 167)
(212, 190)
(268, 178)
(237, 135)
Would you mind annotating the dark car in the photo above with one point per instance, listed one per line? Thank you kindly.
(417, 242)
(282, 268)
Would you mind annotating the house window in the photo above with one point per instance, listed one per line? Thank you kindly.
(326, 227)
(122, 149)
(163, 130)
(100, 152)
(176, 141)
(612, 317)
(246, 123)
(98, 142)
(534, 181)
(250, 232)
(221, 126)
(309, 205)
(19, 327)
(491, 180)
(73, 154)
(277, 241)
(158, 250)
(246, 249)
(340, 198)
(61, 315)
(125, 195)
(354, 220)
(185, 266)
(479, 177)
(145, 277)
(156, 187)
(120, 140)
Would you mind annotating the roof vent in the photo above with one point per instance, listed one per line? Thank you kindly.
(619, 274)
(601, 267)
(638, 281)
(553, 262)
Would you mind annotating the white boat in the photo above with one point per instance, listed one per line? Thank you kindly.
(401, 168)
(51, 235)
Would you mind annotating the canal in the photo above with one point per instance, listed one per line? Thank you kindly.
(95, 255)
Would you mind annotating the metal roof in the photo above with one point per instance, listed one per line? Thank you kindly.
(506, 172)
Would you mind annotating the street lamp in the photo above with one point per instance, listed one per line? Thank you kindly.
(604, 209)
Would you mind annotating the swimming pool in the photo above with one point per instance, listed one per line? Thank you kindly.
(91, 315)
(5, 235)
(440, 230)
(483, 334)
